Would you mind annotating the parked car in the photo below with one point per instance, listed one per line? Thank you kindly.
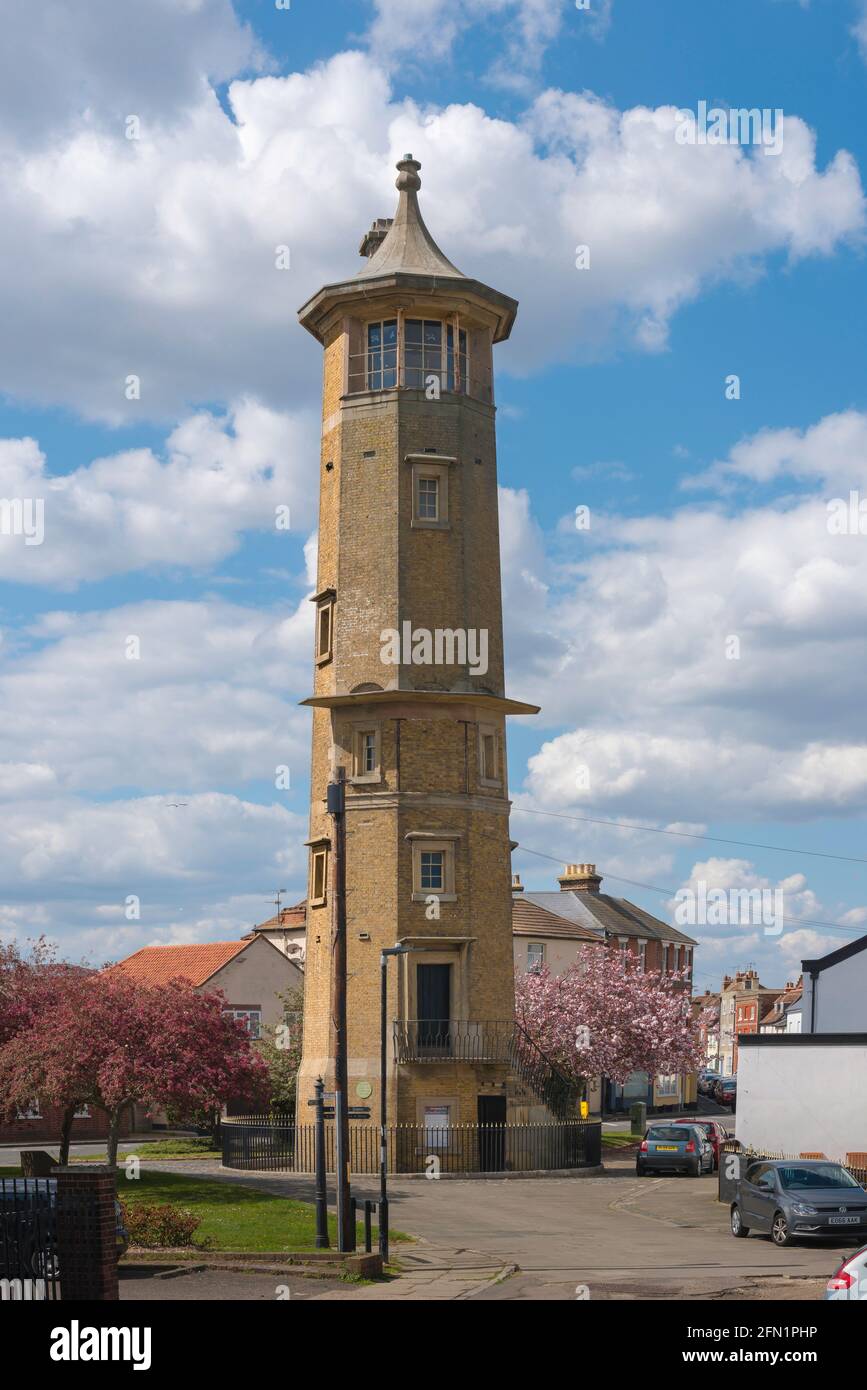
(28, 1225)
(707, 1080)
(714, 1132)
(674, 1146)
(792, 1199)
(726, 1091)
(850, 1280)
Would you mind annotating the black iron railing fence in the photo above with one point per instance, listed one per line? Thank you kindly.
(28, 1239)
(265, 1143)
(420, 1040)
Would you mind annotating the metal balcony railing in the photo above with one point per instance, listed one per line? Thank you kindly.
(457, 1040)
(498, 1040)
(390, 370)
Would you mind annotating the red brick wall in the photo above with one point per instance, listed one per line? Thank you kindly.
(46, 1130)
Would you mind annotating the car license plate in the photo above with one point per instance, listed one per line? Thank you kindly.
(666, 1148)
(844, 1220)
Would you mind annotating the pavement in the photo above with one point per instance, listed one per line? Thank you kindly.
(614, 1236)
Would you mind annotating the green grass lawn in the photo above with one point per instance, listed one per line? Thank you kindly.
(233, 1216)
(160, 1148)
(619, 1139)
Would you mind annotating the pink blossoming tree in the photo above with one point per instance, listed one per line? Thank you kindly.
(109, 1041)
(606, 1017)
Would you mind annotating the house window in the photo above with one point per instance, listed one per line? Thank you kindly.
(665, 957)
(365, 754)
(430, 491)
(82, 1113)
(251, 1019)
(489, 756)
(642, 955)
(675, 951)
(687, 957)
(666, 1085)
(319, 876)
(32, 1112)
(433, 869)
(535, 955)
(382, 355)
(428, 499)
(623, 943)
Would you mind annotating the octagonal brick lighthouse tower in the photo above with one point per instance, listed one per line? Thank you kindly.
(408, 688)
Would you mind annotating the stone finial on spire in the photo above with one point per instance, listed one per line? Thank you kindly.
(408, 245)
(408, 180)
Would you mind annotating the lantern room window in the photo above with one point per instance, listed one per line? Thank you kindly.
(412, 352)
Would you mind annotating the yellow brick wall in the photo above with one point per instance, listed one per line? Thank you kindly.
(384, 572)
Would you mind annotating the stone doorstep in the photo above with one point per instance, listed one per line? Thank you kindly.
(313, 1264)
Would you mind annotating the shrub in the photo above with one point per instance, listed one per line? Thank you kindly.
(161, 1226)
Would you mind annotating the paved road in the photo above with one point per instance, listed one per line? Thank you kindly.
(618, 1235)
(214, 1285)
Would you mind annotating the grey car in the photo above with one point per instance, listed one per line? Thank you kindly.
(797, 1198)
(674, 1146)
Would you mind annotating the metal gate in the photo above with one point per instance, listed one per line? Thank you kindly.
(28, 1239)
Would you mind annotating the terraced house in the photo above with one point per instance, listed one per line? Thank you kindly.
(551, 927)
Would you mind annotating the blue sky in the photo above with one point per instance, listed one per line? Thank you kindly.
(539, 127)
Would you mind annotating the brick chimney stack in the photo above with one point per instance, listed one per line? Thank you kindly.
(517, 885)
(373, 239)
(580, 878)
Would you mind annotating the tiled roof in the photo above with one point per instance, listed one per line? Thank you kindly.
(599, 911)
(289, 919)
(529, 919)
(156, 965)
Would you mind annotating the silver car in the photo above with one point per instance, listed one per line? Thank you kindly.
(849, 1282)
(795, 1198)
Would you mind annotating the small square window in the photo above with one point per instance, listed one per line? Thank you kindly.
(433, 869)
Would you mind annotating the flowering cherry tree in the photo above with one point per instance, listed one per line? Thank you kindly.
(606, 1017)
(109, 1041)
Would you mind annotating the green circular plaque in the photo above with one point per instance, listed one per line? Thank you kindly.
(364, 1089)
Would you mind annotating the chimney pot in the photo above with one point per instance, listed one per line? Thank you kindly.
(580, 878)
(517, 885)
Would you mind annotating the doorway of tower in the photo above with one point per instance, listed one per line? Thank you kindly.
(434, 992)
(492, 1133)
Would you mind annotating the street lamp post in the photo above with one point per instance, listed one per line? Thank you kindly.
(383, 1108)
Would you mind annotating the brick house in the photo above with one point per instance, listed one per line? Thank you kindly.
(287, 930)
(252, 974)
(744, 1004)
(549, 927)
